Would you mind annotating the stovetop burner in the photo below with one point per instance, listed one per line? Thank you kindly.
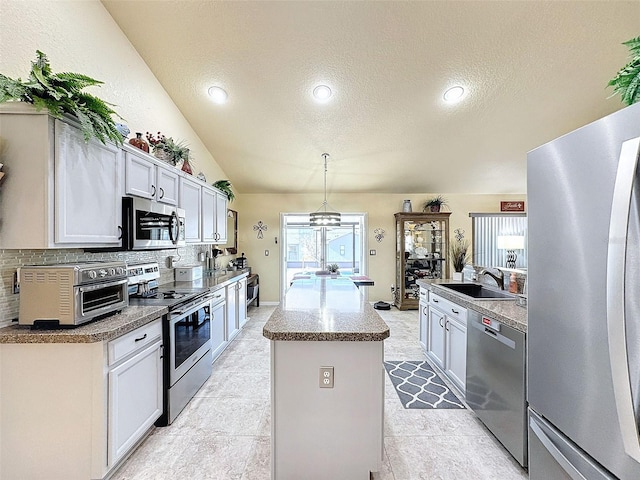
(171, 294)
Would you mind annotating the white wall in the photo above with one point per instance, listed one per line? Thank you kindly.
(80, 36)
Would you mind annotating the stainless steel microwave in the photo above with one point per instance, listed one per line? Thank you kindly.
(151, 225)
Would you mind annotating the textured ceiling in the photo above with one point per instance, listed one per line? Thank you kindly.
(534, 71)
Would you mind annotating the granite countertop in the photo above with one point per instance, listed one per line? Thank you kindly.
(213, 282)
(114, 326)
(505, 311)
(103, 329)
(321, 308)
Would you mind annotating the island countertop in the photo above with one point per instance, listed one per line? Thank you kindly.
(322, 308)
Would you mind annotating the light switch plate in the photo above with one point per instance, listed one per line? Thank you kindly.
(326, 377)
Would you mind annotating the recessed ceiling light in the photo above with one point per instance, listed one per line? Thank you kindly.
(322, 93)
(454, 94)
(218, 95)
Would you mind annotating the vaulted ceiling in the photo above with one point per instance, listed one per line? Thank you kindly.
(532, 71)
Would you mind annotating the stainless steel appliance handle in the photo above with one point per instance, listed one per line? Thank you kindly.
(174, 226)
(555, 452)
(615, 290)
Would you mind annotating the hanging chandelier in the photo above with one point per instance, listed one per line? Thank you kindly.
(323, 217)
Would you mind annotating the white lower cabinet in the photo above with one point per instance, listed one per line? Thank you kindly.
(446, 342)
(74, 410)
(218, 323)
(236, 307)
(135, 388)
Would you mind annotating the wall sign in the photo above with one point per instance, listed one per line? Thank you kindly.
(512, 206)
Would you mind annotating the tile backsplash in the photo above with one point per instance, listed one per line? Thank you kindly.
(10, 260)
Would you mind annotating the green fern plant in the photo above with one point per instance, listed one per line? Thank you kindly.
(627, 80)
(225, 187)
(62, 93)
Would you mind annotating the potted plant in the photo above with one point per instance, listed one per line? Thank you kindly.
(627, 80)
(225, 187)
(61, 93)
(333, 269)
(434, 204)
(167, 149)
(459, 251)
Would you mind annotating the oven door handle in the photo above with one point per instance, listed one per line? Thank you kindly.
(97, 286)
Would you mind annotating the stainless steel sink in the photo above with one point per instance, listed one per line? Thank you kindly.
(478, 292)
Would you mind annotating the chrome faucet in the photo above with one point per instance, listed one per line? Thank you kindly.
(498, 278)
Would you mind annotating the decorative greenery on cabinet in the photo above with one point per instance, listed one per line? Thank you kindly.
(627, 80)
(61, 93)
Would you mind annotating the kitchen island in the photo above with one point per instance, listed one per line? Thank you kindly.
(327, 382)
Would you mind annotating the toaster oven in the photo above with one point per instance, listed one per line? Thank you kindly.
(71, 294)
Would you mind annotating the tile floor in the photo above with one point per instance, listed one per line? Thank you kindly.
(223, 434)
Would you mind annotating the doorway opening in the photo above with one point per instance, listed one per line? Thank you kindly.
(307, 249)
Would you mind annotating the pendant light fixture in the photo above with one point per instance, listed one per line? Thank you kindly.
(322, 217)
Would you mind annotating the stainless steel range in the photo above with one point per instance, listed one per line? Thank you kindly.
(186, 335)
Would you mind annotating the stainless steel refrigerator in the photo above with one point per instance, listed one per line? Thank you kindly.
(583, 334)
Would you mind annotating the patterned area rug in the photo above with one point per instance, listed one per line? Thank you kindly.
(418, 386)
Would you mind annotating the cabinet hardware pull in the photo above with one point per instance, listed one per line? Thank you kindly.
(120, 229)
(455, 311)
(141, 338)
(153, 190)
(445, 325)
(161, 192)
(440, 322)
(435, 300)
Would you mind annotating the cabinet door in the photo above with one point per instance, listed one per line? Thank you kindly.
(456, 347)
(435, 336)
(140, 176)
(218, 321)
(167, 182)
(232, 311)
(190, 202)
(423, 319)
(242, 302)
(135, 400)
(221, 218)
(208, 215)
(88, 189)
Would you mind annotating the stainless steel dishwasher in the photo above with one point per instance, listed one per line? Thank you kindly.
(496, 381)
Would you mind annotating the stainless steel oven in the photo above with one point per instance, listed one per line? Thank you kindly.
(186, 335)
(71, 294)
(151, 225)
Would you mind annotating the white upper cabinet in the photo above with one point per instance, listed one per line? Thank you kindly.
(221, 218)
(190, 201)
(147, 179)
(214, 216)
(88, 198)
(59, 191)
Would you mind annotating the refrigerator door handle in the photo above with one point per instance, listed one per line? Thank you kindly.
(555, 452)
(616, 253)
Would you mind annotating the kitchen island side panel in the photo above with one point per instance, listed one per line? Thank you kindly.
(320, 433)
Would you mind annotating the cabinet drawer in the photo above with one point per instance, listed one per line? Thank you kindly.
(134, 341)
(451, 309)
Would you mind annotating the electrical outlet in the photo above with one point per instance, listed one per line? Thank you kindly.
(372, 252)
(326, 377)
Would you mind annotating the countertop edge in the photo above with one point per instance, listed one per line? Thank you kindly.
(100, 330)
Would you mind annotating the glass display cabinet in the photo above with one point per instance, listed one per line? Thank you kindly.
(422, 247)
